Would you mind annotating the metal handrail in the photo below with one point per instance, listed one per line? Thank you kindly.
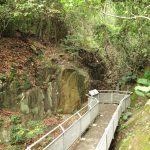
(60, 126)
(117, 91)
(103, 139)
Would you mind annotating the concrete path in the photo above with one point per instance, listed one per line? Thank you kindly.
(90, 139)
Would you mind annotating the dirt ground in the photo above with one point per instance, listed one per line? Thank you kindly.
(90, 139)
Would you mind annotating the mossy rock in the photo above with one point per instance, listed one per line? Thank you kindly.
(35, 111)
(24, 108)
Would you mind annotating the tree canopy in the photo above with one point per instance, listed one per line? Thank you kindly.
(119, 29)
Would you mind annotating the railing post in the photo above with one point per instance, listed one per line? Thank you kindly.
(62, 128)
(106, 142)
(129, 101)
(112, 97)
(89, 106)
(98, 97)
(113, 127)
(125, 103)
(99, 103)
(80, 121)
(63, 135)
(90, 111)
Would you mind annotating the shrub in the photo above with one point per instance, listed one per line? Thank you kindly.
(35, 128)
(18, 134)
(15, 119)
(143, 85)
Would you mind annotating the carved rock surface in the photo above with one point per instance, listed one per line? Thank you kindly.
(57, 88)
(73, 86)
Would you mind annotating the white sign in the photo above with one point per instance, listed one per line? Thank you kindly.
(93, 92)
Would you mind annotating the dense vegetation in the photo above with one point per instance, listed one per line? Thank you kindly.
(119, 30)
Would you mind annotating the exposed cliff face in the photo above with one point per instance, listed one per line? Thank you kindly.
(60, 88)
(40, 79)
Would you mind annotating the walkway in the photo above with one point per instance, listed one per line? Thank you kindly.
(102, 107)
(91, 138)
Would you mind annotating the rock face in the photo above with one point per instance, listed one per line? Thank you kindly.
(5, 135)
(32, 102)
(73, 86)
(60, 88)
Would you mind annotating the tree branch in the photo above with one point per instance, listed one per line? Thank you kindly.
(125, 17)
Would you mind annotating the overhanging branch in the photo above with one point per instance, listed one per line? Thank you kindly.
(125, 17)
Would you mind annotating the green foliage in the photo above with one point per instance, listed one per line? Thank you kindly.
(35, 128)
(18, 134)
(1, 122)
(132, 39)
(128, 78)
(15, 119)
(34, 16)
(142, 91)
(126, 116)
(143, 87)
(5, 17)
(13, 72)
(82, 24)
(133, 99)
(147, 75)
(128, 39)
(143, 81)
(80, 19)
(87, 27)
(2, 77)
(25, 83)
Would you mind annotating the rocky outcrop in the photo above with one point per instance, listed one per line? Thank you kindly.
(58, 88)
(5, 135)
